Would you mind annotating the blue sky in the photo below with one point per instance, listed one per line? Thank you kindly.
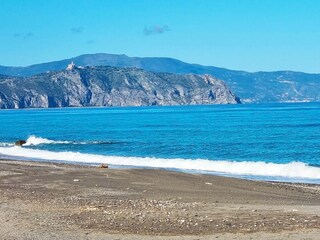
(247, 35)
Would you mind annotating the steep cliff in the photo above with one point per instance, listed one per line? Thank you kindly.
(110, 86)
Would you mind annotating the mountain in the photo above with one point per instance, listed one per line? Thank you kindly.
(111, 86)
(257, 87)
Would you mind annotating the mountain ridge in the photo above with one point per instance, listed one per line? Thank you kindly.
(251, 87)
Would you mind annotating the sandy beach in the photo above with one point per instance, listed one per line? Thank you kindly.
(61, 201)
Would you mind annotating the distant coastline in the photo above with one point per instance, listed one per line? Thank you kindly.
(250, 87)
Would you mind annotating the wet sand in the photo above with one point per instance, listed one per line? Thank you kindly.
(61, 201)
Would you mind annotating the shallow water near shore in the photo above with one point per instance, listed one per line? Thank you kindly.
(266, 141)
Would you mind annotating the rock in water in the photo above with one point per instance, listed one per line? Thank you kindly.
(20, 143)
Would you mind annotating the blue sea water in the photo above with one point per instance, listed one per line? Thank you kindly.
(262, 141)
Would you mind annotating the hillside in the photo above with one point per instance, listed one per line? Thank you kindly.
(110, 86)
(257, 87)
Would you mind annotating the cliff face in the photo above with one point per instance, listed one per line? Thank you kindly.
(109, 86)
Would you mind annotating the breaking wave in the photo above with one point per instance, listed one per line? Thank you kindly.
(5, 144)
(288, 170)
(34, 141)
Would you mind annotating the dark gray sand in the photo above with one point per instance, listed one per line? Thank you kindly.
(60, 201)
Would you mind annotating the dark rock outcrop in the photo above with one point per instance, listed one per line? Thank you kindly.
(20, 143)
(110, 86)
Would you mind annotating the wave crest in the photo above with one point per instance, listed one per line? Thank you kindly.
(34, 141)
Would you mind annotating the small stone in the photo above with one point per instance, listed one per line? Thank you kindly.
(76, 180)
(103, 166)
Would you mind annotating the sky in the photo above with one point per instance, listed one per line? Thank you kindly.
(251, 35)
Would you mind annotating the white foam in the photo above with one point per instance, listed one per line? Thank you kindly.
(5, 144)
(34, 141)
(289, 170)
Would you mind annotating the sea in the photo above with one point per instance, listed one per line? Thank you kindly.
(273, 142)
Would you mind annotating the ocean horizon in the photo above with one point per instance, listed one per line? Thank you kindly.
(274, 142)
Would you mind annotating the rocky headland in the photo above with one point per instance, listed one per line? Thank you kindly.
(111, 86)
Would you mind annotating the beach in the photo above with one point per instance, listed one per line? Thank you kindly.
(67, 201)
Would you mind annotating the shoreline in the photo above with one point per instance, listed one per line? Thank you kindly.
(80, 165)
(68, 200)
(250, 177)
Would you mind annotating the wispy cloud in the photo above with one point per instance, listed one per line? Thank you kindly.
(28, 35)
(77, 29)
(17, 35)
(156, 29)
(23, 35)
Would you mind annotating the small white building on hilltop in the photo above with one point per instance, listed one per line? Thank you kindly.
(71, 66)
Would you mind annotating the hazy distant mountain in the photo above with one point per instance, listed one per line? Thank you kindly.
(281, 86)
(110, 86)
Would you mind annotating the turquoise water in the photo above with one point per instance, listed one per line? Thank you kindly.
(274, 141)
